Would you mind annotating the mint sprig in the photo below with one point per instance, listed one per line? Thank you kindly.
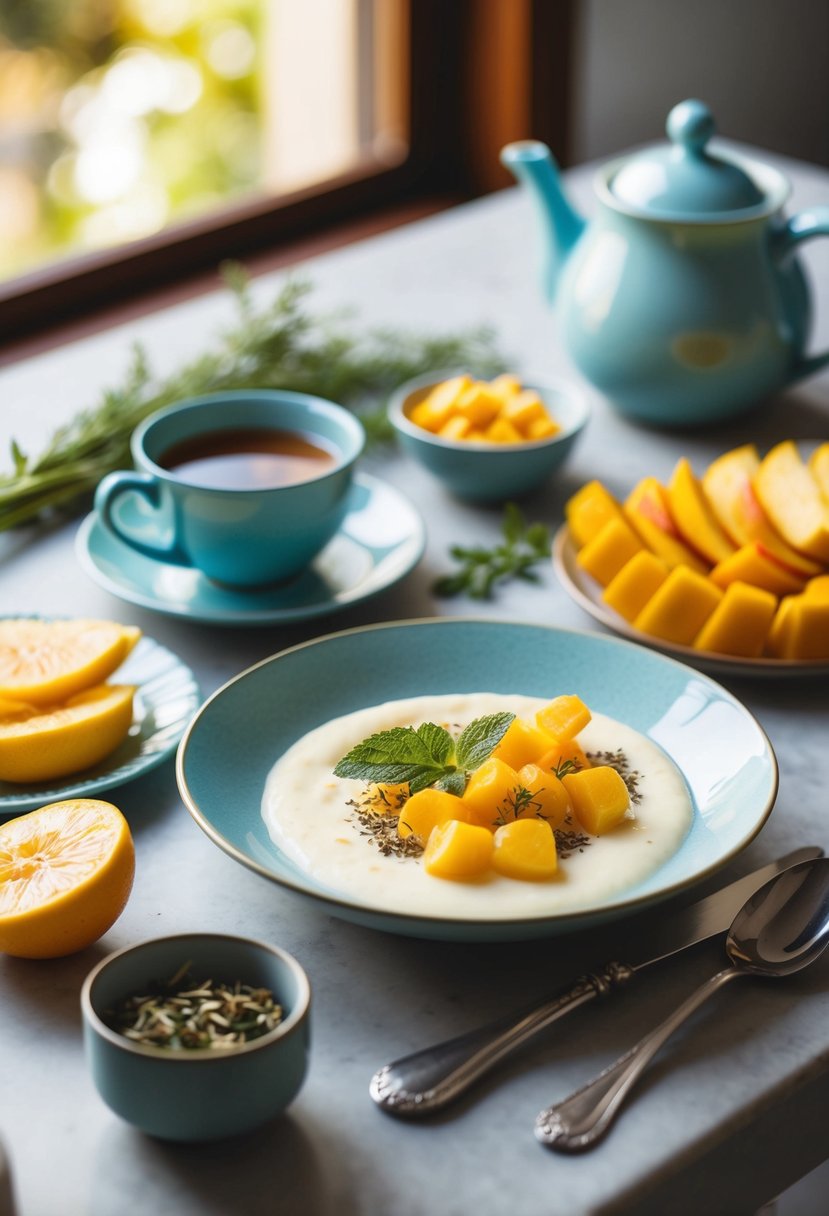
(426, 755)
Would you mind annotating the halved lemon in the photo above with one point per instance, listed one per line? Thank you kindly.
(66, 873)
(46, 662)
(38, 743)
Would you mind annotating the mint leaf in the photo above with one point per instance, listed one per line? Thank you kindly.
(453, 783)
(418, 757)
(481, 737)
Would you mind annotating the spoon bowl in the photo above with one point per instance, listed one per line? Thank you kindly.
(780, 929)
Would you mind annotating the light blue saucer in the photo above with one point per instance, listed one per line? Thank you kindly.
(720, 748)
(381, 540)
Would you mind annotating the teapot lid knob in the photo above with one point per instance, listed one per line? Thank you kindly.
(690, 124)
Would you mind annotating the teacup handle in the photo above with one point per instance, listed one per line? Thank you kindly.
(110, 489)
(802, 227)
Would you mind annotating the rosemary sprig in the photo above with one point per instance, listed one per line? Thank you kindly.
(281, 345)
(523, 546)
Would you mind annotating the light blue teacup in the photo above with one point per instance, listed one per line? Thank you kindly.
(241, 537)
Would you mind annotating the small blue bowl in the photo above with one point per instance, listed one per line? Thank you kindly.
(202, 1094)
(488, 472)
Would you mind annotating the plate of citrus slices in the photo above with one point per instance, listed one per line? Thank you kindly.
(727, 568)
(85, 706)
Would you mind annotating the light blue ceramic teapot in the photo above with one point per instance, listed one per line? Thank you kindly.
(682, 299)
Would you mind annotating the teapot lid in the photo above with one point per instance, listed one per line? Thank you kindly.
(683, 178)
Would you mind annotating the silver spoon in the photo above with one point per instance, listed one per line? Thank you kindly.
(782, 928)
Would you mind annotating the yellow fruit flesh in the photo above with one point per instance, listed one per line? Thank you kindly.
(549, 799)
(66, 871)
(800, 630)
(525, 849)
(740, 623)
(635, 583)
(693, 517)
(589, 509)
(568, 751)
(792, 499)
(605, 555)
(680, 608)
(43, 743)
(564, 717)
(458, 850)
(600, 798)
(385, 799)
(498, 411)
(46, 662)
(428, 809)
(489, 792)
(646, 508)
(522, 743)
(751, 565)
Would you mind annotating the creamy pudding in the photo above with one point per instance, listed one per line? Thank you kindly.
(309, 816)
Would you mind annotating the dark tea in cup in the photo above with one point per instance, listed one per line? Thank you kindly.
(249, 458)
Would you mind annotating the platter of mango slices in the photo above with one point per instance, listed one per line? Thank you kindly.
(727, 570)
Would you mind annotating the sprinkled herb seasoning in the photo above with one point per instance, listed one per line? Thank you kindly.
(380, 824)
(182, 1014)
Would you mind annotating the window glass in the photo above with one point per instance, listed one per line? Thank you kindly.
(121, 117)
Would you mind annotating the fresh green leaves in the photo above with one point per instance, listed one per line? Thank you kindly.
(281, 344)
(426, 755)
(523, 546)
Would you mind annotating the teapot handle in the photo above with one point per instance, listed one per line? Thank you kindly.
(802, 227)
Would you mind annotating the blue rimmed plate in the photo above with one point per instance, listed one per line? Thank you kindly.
(242, 730)
(381, 539)
(166, 698)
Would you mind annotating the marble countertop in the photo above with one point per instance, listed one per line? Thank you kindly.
(727, 1117)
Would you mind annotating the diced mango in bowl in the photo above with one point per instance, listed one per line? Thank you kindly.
(485, 411)
(731, 562)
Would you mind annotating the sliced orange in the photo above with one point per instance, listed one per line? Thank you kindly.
(46, 662)
(38, 743)
(66, 872)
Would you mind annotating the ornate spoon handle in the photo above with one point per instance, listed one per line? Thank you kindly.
(427, 1080)
(581, 1120)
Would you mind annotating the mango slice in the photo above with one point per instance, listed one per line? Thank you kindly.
(609, 550)
(740, 623)
(438, 407)
(490, 792)
(41, 743)
(549, 799)
(568, 752)
(600, 798)
(819, 465)
(525, 849)
(646, 507)
(680, 607)
(635, 583)
(818, 587)
(589, 509)
(522, 743)
(478, 405)
(564, 717)
(427, 809)
(693, 517)
(800, 629)
(727, 485)
(751, 564)
(458, 850)
(791, 497)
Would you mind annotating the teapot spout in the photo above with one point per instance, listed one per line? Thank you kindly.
(533, 165)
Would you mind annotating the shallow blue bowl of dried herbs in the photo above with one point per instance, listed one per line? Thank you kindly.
(197, 1036)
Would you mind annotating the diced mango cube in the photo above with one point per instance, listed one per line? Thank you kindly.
(522, 409)
(564, 717)
(818, 587)
(542, 428)
(599, 796)
(440, 404)
(427, 809)
(505, 386)
(525, 849)
(564, 755)
(489, 790)
(386, 799)
(751, 564)
(478, 404)
(589, 510)
(522, 743)
(502, 431)
(740, 623)
(639, 578)
(458, 850)
(455, 427)
(549, 798)
(679, 608)
(609, 550)
(800, 629)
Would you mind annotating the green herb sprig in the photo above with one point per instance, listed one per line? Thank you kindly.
(523, 546)
(426, 755)
(282, 345)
